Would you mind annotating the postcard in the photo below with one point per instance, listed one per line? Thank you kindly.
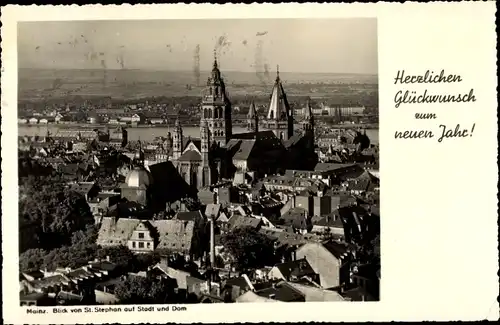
(249, 163)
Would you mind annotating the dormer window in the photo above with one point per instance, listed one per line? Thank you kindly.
(141, 235)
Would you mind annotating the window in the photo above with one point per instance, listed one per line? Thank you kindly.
(133, 244)
(141, 235)
(141, 245)
(148, 245)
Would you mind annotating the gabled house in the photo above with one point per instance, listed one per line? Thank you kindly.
(296, 218)
(291, 270)
(173, 235)
(330, 260)
(329, 223)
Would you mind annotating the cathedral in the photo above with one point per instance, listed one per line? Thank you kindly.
(218, 154)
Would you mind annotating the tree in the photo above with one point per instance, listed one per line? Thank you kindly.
(52, 212)
(250, 248)
(326, 234)
(119, 255)
(31, 260)
(144, 290)
(143, 261)
(87, 237)
(192, 204)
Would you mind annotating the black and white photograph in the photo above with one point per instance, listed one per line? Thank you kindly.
(185, 161)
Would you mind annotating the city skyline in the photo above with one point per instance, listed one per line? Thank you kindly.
(249, 45)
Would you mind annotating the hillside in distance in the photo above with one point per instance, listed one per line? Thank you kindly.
(37, 84)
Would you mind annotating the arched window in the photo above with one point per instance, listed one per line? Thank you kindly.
(271, 114)
(221, 133)
(209, 113)
(281, 135)
(221, 113)
(216, 113)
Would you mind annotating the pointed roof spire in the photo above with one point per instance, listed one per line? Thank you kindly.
(277, 72)
(215, 59)
(252, 111)
(308, 109)
(177, 121)
(278, 106)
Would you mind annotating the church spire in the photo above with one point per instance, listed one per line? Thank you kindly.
(307, 111)
(216, 107)
(278, 107)
(252, 111)
(252, 118)
(215, 65)
(177, 141)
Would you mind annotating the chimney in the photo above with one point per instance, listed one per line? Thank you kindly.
(212, 242)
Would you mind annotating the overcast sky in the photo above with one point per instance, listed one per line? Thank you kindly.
(296, 45)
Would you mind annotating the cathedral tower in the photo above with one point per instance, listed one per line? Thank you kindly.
(308, 124)
(279, 115)
(252, 119)
(205, 142)
(177, 141)
(216, 107)
(204, 172)
(308, 117)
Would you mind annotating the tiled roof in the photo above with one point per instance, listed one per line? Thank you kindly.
(194, 216)
(239, 221)
(118, 233)
(294, 139)
(195, 141)
(330, 166)
(244, 150)
(64, 295)
(190, 155)
(240, 282)
(296, 268)
(50, 281)
(82, 187)
(327, 221)
(175, 234)
(282, 292)
(103, 266)
(250, 296)
(336, 249)
(79, 274)
(35, 296)
(316, 294)
(358, 294)
(212, 210)
(179, 275)
(296, 217)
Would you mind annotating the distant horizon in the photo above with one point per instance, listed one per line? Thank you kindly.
(201, 71)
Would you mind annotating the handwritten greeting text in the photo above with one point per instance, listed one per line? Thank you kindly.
(408, 96)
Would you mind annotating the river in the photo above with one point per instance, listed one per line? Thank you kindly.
(148, 133)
